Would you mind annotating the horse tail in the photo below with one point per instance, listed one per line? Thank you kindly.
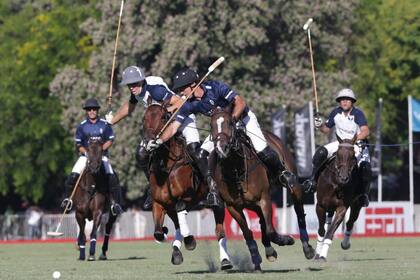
(277, 144)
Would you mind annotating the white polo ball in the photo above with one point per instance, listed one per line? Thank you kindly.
(56, 274)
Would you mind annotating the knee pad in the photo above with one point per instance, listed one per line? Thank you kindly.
(142, 156)
(320, 156)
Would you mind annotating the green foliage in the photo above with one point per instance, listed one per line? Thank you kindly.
(386, 60)
(37, 40)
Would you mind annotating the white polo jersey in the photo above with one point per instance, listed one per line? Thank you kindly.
(346, 126)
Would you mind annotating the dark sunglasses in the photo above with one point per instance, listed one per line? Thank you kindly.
(139, 84)
(91, 109)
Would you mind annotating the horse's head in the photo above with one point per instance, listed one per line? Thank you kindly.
(345, 159)
(154, 119)
(94, 154)
(222, 131)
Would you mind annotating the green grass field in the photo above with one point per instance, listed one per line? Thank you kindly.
(369, 258)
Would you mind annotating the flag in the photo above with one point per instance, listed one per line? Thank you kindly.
(278, 122)
(302, 143)
(415, 103)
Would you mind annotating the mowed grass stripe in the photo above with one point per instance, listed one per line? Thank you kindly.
(369, 259)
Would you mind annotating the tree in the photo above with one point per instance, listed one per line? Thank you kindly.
(265, 47)
(37, 39)
(386, 62)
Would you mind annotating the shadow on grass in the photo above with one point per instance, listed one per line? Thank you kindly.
(240, 271)
(368, 259)
(126, 259)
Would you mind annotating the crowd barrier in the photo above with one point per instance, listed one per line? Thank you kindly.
(379, 219)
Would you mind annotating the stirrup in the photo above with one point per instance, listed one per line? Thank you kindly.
(309, 186)
(67, 204)
(116, 209)
(213, 200)
(288, 178)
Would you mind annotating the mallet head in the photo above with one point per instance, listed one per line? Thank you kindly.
(306, 25)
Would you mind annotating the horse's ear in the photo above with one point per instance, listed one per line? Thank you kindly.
(229, 108)
(166, 102)
(149, 100)
(338, 138)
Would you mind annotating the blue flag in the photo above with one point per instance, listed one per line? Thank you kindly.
(415, 103)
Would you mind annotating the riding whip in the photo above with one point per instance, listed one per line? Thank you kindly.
(210, 69)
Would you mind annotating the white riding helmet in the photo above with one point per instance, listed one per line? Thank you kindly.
(131, 75)
(346, 92)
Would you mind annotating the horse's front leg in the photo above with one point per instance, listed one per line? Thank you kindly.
(97, 216)
(270, 252)
(354, 214)
(239, 217)
(181, 212)
(81, 238)
(297, 197)
(176, 258)
(338, 218)
(267, 211)
(158, 217)
(219, 218)
(108, 229)
(321, 214)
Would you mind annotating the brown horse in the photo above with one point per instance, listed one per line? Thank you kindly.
(174, 189)
(243, 182)
(92, 201)
(338, 188)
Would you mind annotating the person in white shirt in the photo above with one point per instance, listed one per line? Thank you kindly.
(348, 121)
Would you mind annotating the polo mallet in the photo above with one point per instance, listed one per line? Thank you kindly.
(56, 233)
(306, 27)
(210, 69)
(115, 55)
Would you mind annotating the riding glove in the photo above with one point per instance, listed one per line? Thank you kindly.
(108, 117)
(318, 121)
(153, 144)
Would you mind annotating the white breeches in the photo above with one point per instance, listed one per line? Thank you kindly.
(360, 155)
(253, 131)
(189, 129)
(82, 161)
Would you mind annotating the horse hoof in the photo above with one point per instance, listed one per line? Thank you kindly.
(177, 258)
(316, 256)
(190, 242)
(320, 259)
(309, 251)
(283, 240)
(226, 264)
(345, 246)
(257, 268)
(165, 230)
(91, 258)
(272, 257)
(159, 236)
(103, 257)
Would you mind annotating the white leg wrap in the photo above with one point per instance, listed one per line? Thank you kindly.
(325, 248)
(223, 249)
(107, 165)
(328, 221)
(182, 219)
(319, 244)
(178, 239)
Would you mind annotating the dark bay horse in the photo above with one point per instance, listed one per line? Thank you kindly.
(338, 188)
(92, 201)
(174, 190)
(243, 182)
